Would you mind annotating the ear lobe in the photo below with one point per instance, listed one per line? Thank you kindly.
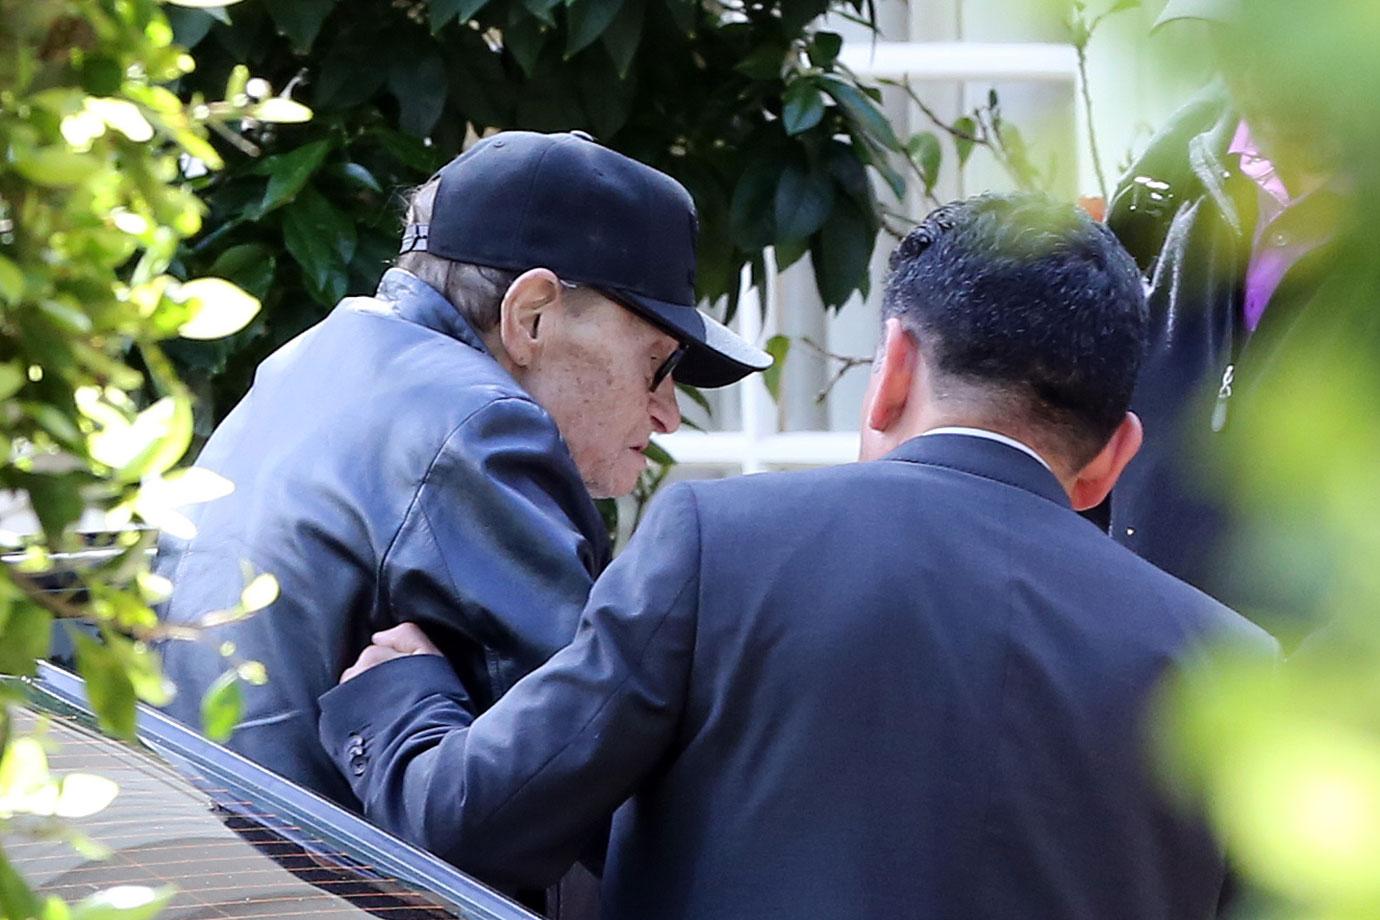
(524, 304)
(1095, 480)
(891, 389)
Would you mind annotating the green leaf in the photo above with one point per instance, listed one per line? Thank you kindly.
(606, 100)
(803, 201)
(524, 39)
(249, 265)
(17, 899)
(696, 396)
(81, 795)
(277, 110)
(24, 773)
(123, 902)
(825, 48)
(803, 107)
(543, 10)
(221, 707)
(849, 171)
(321, 240)
(356, 175)
(57, 501)
(221, 308)
(237, 83)
(12, 379)
(764, 62)
(299, 20)
(259, 593)
(419, 85)
(684, 13)
(444, 12)
(863, 112)
(56, 167)
(623, 35)
(1122, 6)
(26, 636)
(1079, 33)
(11, 281)
(408, 150)
(926, 153)
(777, 346)
(587, 20)
(752, 213)
(841, 254)
(102, 75)
(108, 687)
(797, 14)
(964, 145)
(789, 252)
(289, 172)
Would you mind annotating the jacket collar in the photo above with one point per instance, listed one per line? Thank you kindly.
(983, 457)
(409, 297)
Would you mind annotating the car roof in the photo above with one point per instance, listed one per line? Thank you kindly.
(234, 838)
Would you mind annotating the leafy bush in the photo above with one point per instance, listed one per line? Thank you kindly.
(92, 416)
(750, 109)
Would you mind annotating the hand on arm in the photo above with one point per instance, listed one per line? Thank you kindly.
(403, 639)
(514, 797)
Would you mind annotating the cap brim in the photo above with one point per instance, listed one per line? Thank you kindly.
(1221, 11)
(717, 355)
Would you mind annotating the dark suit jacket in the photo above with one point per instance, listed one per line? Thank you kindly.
(907, 688)
(384, 463)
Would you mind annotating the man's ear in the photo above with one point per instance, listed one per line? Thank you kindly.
(527, 300)
(891, 389)
(1095, 480)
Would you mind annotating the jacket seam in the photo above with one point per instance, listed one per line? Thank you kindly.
(424, 481)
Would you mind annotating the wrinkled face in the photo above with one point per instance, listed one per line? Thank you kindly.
(594, 377)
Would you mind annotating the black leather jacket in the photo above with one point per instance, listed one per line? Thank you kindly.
(1188, 217)
(386, 468)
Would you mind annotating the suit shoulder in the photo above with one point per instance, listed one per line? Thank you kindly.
(1199, 612)
(762, 499)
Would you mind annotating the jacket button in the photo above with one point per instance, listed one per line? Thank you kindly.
(358, 765)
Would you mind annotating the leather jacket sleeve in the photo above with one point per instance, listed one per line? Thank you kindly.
(496, 555)
(514, 796)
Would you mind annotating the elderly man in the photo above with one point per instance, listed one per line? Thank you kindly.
(913, 687)
(433, 449)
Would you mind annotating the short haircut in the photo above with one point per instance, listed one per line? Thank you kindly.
(476, 291)
(1031, 303)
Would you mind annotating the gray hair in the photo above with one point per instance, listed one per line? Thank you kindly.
(476, 291)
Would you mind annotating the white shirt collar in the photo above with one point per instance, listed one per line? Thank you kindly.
(991, 436)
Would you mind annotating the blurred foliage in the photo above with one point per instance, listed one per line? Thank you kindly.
(93, 208)
(1288, 759)
(746, 104)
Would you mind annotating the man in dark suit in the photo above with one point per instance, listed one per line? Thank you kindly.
(914, 687)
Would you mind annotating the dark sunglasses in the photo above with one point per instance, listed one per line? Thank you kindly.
(667, 367)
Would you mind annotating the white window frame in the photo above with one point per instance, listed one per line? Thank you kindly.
(759, 445)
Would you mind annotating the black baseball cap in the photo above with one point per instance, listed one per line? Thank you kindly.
(519, 200)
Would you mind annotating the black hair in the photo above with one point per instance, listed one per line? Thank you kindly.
(1030, 301)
